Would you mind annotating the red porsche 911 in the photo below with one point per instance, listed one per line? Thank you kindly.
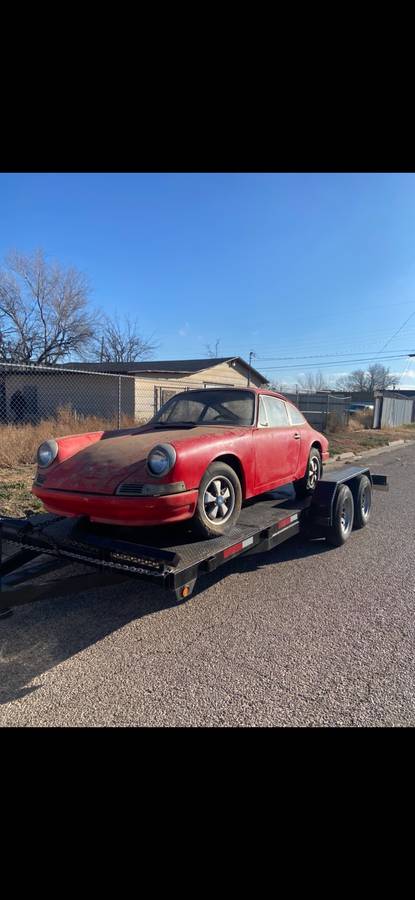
(200, 457)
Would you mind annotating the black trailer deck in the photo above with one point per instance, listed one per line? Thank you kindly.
(170, 555)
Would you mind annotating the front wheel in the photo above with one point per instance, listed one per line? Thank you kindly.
(308, 484)
(219, 502)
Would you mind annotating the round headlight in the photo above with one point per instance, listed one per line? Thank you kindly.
(161, 459)
(46, 453)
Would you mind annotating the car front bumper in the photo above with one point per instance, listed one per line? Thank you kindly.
(116, 510)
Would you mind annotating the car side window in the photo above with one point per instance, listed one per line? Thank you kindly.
(295, 415)
(276, 412)
(262, 416)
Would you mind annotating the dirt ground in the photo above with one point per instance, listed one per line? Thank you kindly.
(16, 498)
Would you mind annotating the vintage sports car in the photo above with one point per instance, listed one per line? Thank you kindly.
(199, 457)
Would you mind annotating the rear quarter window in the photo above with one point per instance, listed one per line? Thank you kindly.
(296, 417)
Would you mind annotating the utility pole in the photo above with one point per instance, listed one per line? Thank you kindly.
(251, 356)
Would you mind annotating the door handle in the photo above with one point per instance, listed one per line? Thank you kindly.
(296, 436)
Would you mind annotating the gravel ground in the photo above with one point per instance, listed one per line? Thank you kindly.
(304, 635)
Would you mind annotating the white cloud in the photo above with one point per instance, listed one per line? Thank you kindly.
(410, 375)
(184, 330)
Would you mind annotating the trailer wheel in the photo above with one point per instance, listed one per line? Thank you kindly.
(343, 514)
(363, 502)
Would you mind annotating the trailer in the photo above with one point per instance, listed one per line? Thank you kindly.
(45, 545)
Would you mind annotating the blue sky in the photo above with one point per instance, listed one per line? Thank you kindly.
(286, 265)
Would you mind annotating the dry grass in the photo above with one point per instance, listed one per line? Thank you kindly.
(357, 421)
(362, 419)
(334, 423)
(19, 443)
(354, 425)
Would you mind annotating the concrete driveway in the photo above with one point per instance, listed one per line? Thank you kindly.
(304, 635)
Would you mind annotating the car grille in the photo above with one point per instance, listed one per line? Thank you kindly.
(131, 490)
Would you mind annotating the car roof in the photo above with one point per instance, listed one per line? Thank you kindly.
(249, 387)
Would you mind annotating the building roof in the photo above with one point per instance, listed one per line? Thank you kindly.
(402, 394)
(168, 366)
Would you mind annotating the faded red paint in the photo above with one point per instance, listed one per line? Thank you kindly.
(83, 478)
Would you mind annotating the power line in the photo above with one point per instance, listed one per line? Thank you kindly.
(334, 363)
(399, 329)
(324, 355)
(403, 373)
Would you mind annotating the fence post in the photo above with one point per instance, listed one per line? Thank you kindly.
(119, 401)
(327, 410)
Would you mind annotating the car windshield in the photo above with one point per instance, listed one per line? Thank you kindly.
(208, 407)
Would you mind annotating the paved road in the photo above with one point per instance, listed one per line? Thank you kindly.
(304, 635)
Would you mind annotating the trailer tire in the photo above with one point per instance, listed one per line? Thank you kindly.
(343, 514)
(362, 502)
(307, 485)
(219, 480)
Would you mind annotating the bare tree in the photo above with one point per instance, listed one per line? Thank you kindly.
(356, 381)
(379, 378)
(343, 383)
(314, 381)
(44, 313)
(120, 341)
(375, 378)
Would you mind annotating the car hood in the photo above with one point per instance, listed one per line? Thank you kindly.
(101, 466)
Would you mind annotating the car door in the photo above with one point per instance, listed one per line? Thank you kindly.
(276, 444)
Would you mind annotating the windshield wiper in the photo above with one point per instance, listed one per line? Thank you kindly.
(174, 424)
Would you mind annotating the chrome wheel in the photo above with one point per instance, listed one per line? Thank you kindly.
(313, 472)
(219, 499)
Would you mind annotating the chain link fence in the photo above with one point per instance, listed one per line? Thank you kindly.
(40, 402)
(32, 394)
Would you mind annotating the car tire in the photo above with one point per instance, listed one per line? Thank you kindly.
(362, 502)
(219, 481)
(343, 515)
(307, 485)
